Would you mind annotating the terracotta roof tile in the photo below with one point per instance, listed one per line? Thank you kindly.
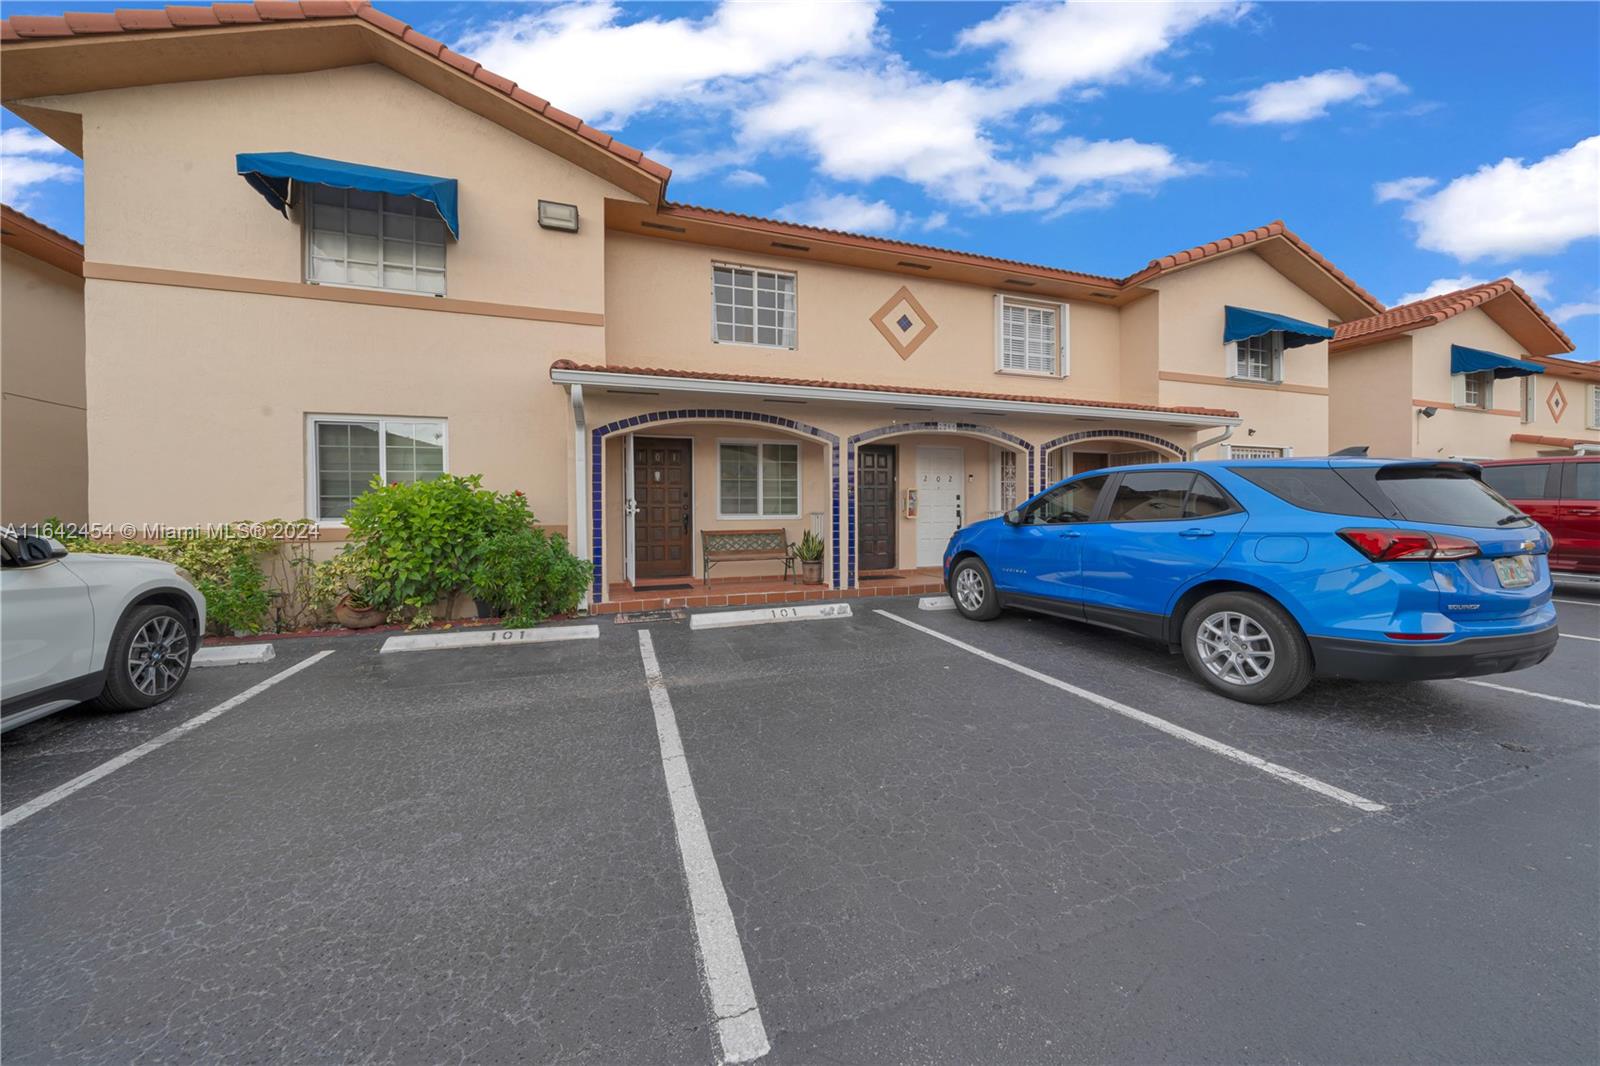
(183, 17)
(1435, 309)
(1275, 228)
(32, 237)
(1559, 442)
(713, 214)
(907, 390)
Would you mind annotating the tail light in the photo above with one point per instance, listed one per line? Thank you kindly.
(1405, 545)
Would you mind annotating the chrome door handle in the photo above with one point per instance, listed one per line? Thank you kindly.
(1196, 532)
(1071, 533)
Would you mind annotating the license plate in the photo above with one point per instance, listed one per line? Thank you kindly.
(1515, 571)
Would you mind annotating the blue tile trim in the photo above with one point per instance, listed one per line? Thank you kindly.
(1109, 434)
(970, 429)
(599, 434)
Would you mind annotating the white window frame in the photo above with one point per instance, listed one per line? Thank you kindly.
(1063, 346)
(1275, 369)
(313, 496)
(761, 477)
(1592, 412)
(1530, 398)
(308, 208)
(1463, 397)
(755, 271)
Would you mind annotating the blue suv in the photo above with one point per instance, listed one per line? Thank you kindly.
(1266, 573)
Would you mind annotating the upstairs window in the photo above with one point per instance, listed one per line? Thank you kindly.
(375, 241)
(1594, 407)
(1259, 358)
(1477, 388)
(752, 306)
(1029, 339)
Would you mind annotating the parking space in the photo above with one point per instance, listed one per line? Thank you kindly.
(944, 841)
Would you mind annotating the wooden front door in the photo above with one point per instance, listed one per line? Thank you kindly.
(875, 521)
(663, 525)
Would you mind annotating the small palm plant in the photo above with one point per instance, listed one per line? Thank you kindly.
(809, 552)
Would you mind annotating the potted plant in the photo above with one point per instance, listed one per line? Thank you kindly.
(809, 552)
(344, 581)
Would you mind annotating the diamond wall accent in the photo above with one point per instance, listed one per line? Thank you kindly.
(904, 323)
(1556, 401)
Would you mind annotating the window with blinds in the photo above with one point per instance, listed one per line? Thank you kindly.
(1029, 337)
(374, 240)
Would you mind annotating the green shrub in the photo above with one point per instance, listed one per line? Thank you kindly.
(809, 550)
(529, 575)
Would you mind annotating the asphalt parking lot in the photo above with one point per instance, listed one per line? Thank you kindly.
(892, 837)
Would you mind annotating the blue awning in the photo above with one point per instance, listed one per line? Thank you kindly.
(270, 173)
(1243, 323)
(1471, 360)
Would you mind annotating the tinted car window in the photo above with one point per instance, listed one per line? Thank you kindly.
(1449, 497)
(1585, 481)
(1150, 495)
(1525, 481)
(1206, 499)
(1066, 503)
(1309, 488)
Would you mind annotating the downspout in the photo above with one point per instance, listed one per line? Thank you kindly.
(580, 501)
(1227, 431)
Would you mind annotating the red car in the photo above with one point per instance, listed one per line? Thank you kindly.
(1562, 494)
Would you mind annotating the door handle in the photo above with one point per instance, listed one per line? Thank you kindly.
(686, 521)
(1194, 532)
(1070, 533)
(1582, 512)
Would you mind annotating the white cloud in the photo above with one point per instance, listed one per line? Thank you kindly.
(556, 51)
(1044, 124)
(937, 220)
(1567, 312)
(745, 178)
(1044, 49)
(28, 160)
(1402, 189)
(1510, 208)
(1309, 97)
(1536, 283)
(842, 211)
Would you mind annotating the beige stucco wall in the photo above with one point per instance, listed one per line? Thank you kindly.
(226, 379)
(1191, 315)
(43, 442)
(659, 314)
(1369, 403)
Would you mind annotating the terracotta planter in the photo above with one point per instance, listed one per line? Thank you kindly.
(351, 616)
(811, 572)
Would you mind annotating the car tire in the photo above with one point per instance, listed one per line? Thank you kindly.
(149, 658)
(1246, 647)
(973, 590)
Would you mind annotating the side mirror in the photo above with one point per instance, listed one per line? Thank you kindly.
(35, 551)
(1014, 517)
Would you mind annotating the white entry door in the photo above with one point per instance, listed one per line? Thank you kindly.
(941, 479)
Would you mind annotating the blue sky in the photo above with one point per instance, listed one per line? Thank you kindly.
(1421, 147)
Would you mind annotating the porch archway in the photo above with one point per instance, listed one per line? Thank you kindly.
(968, 429)
(597, 478)
(1124, 436)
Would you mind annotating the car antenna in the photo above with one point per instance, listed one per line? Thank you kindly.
(1358, 451)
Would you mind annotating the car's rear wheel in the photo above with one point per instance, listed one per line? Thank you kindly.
(148, 659)
(1246, 647)
(973, 590)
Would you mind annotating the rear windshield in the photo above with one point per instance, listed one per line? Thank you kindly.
(1447, 497)
(1309, 488)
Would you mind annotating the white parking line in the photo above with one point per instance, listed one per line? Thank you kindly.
(1216, 747)
(479, 637)
(728, 988)
(1577, 603)
(1525, 692)
(1576, 636)
(83, 780)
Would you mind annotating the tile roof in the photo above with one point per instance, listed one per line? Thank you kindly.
(192, 17)
(906, 390)
(776, 225)
(34, 238)
(1582, 369)
(1275, 228)
(1559, 442)
(1420, 314)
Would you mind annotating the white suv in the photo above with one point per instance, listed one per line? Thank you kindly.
(116, 629)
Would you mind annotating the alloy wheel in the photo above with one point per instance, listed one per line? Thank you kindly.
(158, 656)
(1235, 648)
(970, 589)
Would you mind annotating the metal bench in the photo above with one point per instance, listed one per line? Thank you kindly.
(745, 546)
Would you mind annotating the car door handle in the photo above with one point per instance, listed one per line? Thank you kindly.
(1070, 533)
(1198, 532)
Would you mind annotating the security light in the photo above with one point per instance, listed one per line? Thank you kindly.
(558, 216)
(1428, 412)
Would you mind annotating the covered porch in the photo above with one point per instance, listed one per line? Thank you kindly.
(676, 468)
